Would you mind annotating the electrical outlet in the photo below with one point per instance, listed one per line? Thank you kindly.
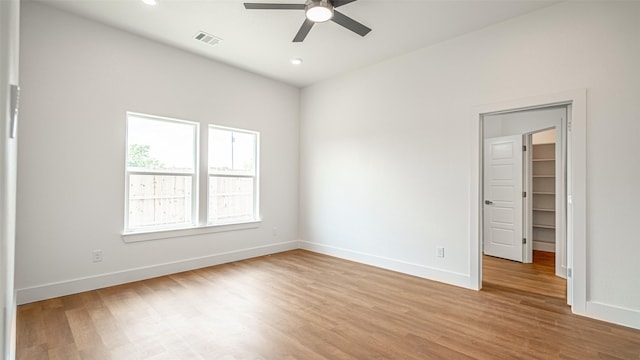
(440, 252)
(274, 231)
(96, 256)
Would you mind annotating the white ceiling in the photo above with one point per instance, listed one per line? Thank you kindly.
(260, 40)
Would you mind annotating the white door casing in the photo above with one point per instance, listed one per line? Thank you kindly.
(9, 39)
(503, 197)
(576, 194)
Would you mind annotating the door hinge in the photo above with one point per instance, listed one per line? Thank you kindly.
(524, 240)
(524, 194)
(524, 147)
(15, 103)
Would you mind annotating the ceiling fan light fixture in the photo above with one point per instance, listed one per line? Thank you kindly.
(319, 10)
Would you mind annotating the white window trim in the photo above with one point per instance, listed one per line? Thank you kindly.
(187, 231)
(195, 183)
(255, 177)
(200, 197)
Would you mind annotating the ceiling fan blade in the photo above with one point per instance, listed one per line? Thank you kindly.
(337, 3)
(263, 6)
(342, 19)
(304, 30)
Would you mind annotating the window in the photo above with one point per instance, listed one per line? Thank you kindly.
(165, 187)
(232, 175)
(161, 173)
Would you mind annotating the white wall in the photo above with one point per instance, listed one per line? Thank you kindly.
(9, 45)
(522, 122)
(385, 168)
(78, 80)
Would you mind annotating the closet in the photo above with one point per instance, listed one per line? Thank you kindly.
(543, 172)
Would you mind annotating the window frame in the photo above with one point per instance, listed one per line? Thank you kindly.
(195, 177)
(255, 176)
(199, 193)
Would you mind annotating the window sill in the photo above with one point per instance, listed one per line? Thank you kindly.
(191, 231)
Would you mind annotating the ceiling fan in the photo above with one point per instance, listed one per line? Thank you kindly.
(316, 11)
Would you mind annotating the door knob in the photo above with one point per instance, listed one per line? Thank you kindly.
(488, 202)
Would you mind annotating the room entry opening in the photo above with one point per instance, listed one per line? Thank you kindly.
(524, 184)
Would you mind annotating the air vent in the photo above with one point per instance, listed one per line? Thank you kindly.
(207, 38)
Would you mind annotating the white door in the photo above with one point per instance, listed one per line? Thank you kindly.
(502, 197)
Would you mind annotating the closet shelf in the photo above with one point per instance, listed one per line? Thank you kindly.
(543, 241)
(544, 226)
(543, 198)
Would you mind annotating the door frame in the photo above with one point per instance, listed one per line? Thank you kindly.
(527, 219)
(9, 74)
(575, 195)
(560, 198)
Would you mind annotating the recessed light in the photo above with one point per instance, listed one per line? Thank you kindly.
(150, 2)
(296, 61)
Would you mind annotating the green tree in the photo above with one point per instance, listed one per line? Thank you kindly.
(139, 157)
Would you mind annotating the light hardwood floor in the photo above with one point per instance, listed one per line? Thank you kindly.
(537, 278)
(303, 305)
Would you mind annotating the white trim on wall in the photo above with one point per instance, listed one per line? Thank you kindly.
(78, 285)
(430, 273)
(544, 246)
(615, 314)
(9, 77)
(577, 189)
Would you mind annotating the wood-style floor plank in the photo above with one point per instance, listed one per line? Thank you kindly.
(538, 277)
(303, 305)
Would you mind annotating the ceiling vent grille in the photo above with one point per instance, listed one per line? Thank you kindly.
(207, 38)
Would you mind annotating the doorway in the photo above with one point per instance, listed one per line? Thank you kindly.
(545, 211)
(523, 205)
(576, 196)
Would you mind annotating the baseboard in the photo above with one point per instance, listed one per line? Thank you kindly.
(613, 314)
(544, 246)
(74, 286)
(605, 312)
(448, 277)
